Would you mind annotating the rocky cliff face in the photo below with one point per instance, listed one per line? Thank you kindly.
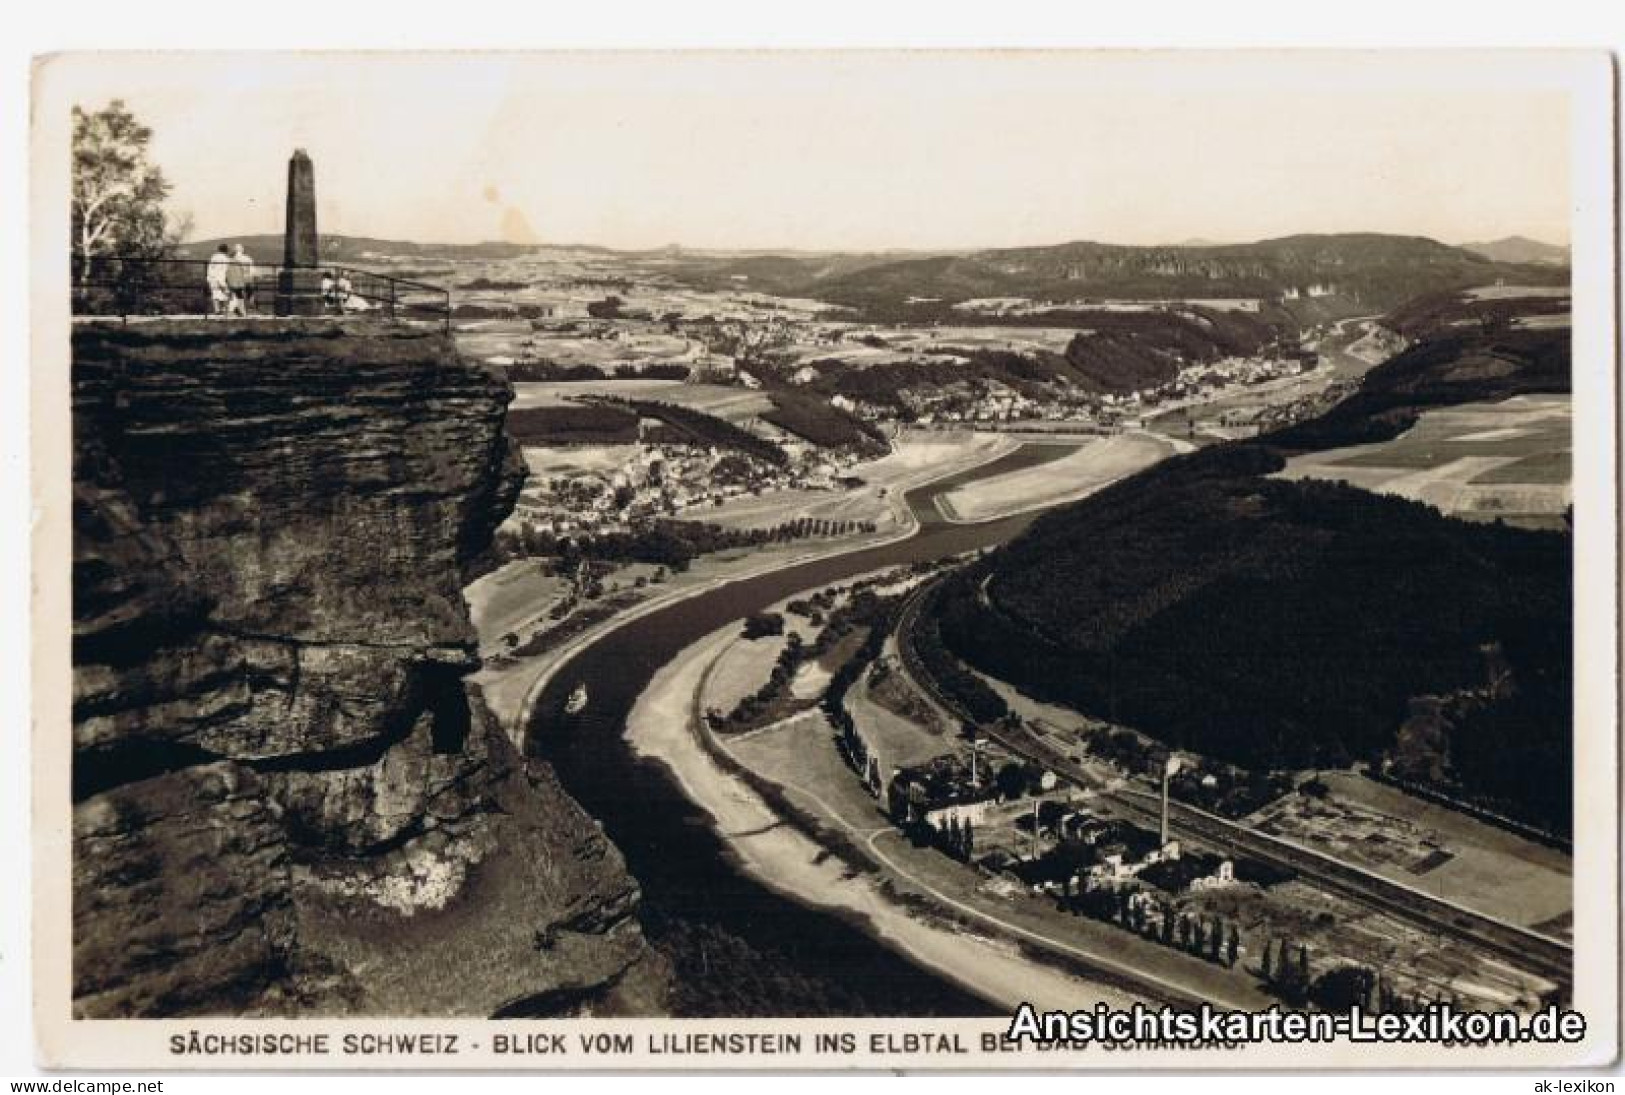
(288, 800)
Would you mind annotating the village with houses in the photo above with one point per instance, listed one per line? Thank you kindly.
(830, 392)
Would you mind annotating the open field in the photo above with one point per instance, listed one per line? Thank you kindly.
(899, 741)
(513, 594)
(813, 677)
(1545, 322)
(915, 458)
(502, 340)
(742, 668)
(500, 343)
(483, 339)
(1096, 464)
(774, 508)
(746, 665)
(550, 460)
(1478, 461)
(933, 343)
(1489, 869)
(800, 752)
(1522, 426)
(1554, 466)
(1013, 339)
(1505, 292)
(532, 393)
(731, 404)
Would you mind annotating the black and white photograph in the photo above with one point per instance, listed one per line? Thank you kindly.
(824, 559)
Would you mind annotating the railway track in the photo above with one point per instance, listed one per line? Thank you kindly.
(1549, 958)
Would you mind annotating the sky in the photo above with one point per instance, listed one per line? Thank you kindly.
(856, 151)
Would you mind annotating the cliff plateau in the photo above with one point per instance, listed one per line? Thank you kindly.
(288, 800)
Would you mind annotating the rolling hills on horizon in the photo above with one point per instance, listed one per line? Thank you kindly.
(1306, 279)
(1520, 249)
(1367, 270)
(267, 247)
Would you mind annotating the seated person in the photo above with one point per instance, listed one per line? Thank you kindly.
(349, 299)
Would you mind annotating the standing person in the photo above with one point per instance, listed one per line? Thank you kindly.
(215, 278)
(240, 279)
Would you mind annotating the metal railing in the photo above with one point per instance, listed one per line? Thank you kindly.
(125, 286)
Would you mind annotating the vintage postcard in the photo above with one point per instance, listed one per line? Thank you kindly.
(825, 560)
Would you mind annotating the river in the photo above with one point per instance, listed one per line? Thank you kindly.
(739, 949)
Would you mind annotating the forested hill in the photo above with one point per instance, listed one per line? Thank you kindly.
(1281, 624)
(1374, 271)
(1520, 249)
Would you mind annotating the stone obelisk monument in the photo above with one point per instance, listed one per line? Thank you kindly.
(299, 287)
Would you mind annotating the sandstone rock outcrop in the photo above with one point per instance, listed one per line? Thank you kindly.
(288, 800)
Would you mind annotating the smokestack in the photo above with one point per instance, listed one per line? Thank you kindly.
(1167, 772)
(1035, 831)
